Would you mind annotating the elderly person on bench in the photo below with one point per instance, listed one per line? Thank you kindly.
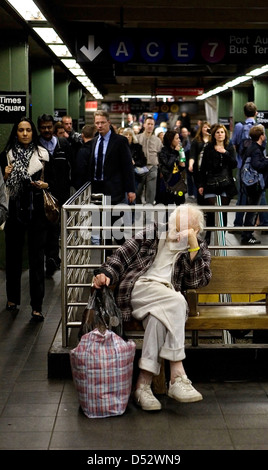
(152, 271)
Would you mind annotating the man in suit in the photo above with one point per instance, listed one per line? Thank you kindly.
(60, 155)
(111, 169)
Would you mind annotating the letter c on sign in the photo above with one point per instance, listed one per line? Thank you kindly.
(152, 50)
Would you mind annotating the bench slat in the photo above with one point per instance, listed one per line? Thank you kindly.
(238, 275)
(229, 317)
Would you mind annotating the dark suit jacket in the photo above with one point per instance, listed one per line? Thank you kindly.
(82, 165)
(118, 169)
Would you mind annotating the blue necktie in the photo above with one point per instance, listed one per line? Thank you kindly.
(99, 160)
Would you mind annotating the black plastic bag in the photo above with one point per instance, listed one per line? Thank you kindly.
(101, 312)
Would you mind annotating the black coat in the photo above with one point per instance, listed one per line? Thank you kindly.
(167, 157)
(137, 155)
(215, 163)
(118, 168)
(61, 164)
(82, 165)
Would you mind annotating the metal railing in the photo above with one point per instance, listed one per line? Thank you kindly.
(84, 228)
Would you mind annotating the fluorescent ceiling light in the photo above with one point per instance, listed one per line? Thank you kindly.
(98, 96)
(209, 93)
(258, 71)
(234, 82)
(167, 97)
(28, 10)
(73, 66)
(85, 81)
(60, 50)
(237, 81)
(48, 35)
(77, 71)
(70, 63)
(136, 96)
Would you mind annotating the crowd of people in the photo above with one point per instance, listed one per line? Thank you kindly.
(210, 167)
(146, 162)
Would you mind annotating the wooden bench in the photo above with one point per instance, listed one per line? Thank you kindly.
(235, 299)
(241, 284)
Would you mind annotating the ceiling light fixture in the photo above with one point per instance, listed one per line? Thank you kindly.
(31, 13)
(28, 10)
(234, 82)
(145, 97)
(48, 35)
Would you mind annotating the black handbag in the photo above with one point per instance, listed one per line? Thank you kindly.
(216, 184)
(179, 186)
(101, 312)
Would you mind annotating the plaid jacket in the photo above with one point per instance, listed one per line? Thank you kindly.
(135, 256)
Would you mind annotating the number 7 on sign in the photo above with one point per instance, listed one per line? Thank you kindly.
(213, 50)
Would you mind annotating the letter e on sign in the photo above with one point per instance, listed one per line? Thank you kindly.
(182, 51)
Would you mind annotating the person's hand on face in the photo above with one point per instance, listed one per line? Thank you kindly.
(187, 237)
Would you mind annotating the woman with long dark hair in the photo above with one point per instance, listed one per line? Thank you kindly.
(216, 178)
(27, 171)
(199, 142)
(171, 168)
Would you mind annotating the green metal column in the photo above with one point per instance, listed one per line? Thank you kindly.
(14, 76)
(261, 94)
(82, 109)
(61, 95)
(42, 91)
(261, 97)
(224, 106)
(240, 98)
(74, 106)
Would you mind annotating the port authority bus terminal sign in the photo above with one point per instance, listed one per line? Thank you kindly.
(174, 46)
(12, 106)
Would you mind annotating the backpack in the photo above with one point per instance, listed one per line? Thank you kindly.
(249, 176)
(245, 140)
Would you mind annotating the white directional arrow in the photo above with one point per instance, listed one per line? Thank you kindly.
(90, 52)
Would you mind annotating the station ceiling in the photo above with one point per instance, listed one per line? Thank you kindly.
(142, 46)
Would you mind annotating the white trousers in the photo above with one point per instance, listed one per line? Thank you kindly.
(163, 313)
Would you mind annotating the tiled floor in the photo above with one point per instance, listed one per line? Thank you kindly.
(37, 413)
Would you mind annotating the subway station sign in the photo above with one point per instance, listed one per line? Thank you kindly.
(180, 46)
(262, 118)
(12, 106)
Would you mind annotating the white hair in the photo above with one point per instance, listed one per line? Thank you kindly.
(189, 216)
(130, 131)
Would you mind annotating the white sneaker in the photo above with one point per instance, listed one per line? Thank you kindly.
(183, 391)
(145, 398)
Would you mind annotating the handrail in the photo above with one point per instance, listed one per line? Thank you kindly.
(78, 250)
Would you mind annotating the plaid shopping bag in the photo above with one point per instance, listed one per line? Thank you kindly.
(102, 367)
